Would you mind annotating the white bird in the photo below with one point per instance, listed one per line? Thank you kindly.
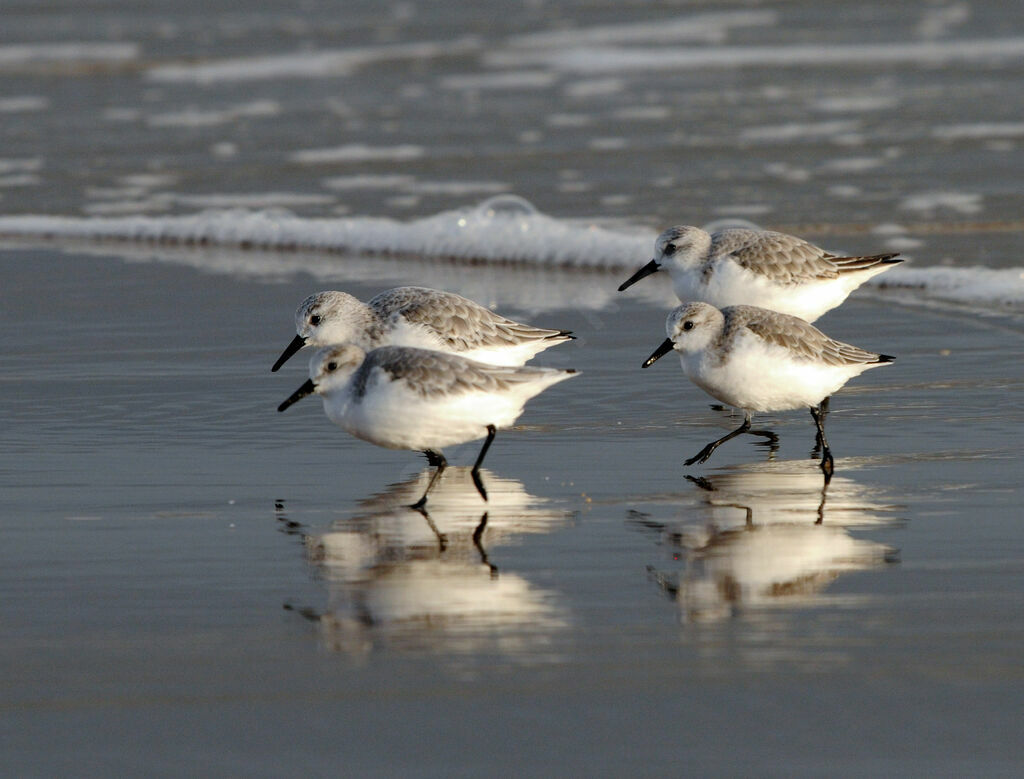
(421, 317)
(758, 268)
(401, 397)
(759, 360)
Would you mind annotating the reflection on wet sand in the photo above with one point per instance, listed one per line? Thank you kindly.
(769, 535)
(534, 288)
(426, 579)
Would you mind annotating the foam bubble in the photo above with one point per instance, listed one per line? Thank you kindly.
(504, 231)
(357, 152)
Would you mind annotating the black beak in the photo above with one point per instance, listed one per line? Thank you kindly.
(306, 389)
(661, 351)
(297, 343)
(647, 270)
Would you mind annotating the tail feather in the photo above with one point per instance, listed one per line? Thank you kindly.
(560, 335)
(851, 264)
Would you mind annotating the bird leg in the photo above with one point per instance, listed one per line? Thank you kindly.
(771, 441)
(442, 539)
(821, 506)
(823, 409)
(491, 431)
(478, 534)
(436, 459)
(706, 452)
(827, 463)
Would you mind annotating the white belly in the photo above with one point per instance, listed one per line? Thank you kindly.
(395, 418)
(760, 377)
(732, 285)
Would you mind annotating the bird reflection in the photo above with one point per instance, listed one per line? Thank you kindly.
(424, 579)
(769, 535)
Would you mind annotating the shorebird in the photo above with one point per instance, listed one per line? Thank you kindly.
(421, 317)
(759, 360)
(758, 268)
(402, 397)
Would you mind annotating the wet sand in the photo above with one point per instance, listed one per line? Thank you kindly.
(184, 565)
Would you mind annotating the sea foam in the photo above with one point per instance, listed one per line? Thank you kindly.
(504, 231)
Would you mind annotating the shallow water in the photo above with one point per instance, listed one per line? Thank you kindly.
(194, 582)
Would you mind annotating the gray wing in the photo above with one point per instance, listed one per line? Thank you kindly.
(459, 322)
(786, 258)
(432, 374)
(797, 336)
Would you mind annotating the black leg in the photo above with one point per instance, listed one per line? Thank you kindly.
(441, 465)
(706, 452)
(491, 431)
(823, 410)
(442, 539)
(436, 459)
(821, 506)
(771, 442)
(477, 535)
(827, 463)
(701, 482)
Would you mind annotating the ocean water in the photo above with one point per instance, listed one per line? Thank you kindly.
(194, 582)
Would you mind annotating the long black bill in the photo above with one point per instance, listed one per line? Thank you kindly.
(297, 343)
(306, 389)
(661, 351)
(647, 270)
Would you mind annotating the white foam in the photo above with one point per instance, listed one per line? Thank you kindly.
(194, 117)
(798, 131)
(526, 79)
(958, 202)
(357, 152)
(20, 164)
(504, 231)
(852, 164)
(979, 131)
(565, 120)
(594, 87)
(938, 22)
(642, 113)
(974, 286)
(135, 200)
(315, 64)
(617, 59)
(254, 200)
(855, 104)
(19, 180)
(22, 104)
(696, 28)
(456, 188)
(368, 182)
(66, 53)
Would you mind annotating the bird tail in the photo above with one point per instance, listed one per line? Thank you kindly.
(853, 264)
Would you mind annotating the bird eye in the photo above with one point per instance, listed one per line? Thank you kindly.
(688, 325)
(669, 250)
(332, 366)
(315, 320)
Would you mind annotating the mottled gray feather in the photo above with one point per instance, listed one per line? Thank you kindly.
(460, 323)
(785, 258)
(794, 334)
(430, 373)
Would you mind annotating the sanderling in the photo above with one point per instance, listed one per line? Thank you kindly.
(758, 268)
(421, 317)
(402, 397)
(759, 360)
